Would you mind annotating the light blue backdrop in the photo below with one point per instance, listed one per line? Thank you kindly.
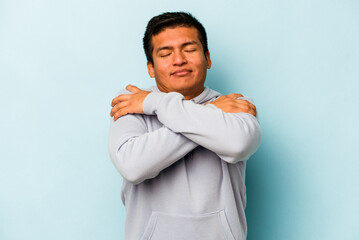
(61, 62)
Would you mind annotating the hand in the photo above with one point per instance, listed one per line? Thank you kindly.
(128, 103)
(230, 104)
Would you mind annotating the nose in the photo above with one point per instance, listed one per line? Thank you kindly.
(179, 58)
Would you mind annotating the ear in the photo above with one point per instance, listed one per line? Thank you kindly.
(151, 69)
(208, 59)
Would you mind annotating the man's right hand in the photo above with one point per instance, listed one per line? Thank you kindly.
(230, 104)
(128, 103)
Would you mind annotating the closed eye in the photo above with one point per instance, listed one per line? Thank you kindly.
(165, 55)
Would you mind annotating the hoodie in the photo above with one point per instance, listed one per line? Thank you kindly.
(183, 167)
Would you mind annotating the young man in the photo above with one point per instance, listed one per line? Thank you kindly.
(182, 147)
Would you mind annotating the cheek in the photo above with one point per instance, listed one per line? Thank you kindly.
(161, 68)
(201, 67)
(200, 62)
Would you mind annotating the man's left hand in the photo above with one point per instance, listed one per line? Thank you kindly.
(230, 104)
(128, 103)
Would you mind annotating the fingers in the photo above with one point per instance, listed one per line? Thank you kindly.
(253, 112)
(120, 98)
(241, 103)
(119, 104)
(245, 108)
(237, 95)
(119, 114)
(132, 88)
(248, 107)
(234, 95)
(123, 97)
(245, 102)
(234, 105)
(128, 103)
(118, 107)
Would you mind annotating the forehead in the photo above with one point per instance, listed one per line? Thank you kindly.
(173, 37)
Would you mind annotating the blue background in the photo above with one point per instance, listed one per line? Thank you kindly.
(62, 62)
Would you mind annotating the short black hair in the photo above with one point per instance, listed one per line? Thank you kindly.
(170, 20)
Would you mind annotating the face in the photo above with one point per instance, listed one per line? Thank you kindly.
(179, 63)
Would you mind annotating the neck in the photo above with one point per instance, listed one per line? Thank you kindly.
(192, 94)
(188, 95)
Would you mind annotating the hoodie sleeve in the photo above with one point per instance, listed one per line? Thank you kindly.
(232, 136)
(139, 154)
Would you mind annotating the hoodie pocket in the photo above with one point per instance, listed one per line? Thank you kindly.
(212, 226)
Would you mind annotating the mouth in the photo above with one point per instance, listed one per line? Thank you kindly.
(181, 72)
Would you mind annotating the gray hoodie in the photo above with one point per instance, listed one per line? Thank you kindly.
(183, 165)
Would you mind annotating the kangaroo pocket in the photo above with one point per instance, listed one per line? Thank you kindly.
(213, 226)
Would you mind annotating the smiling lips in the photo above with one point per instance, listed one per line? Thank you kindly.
(181, 72)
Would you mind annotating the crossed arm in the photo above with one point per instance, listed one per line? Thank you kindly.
(225, 128)
(133, 103)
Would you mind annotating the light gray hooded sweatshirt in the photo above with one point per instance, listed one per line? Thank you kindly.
(183, 165)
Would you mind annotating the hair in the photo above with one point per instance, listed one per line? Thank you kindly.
(171, 20)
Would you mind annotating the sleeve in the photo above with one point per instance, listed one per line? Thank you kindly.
(232, 136)
(138, 154)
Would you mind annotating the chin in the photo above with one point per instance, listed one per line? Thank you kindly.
(183, 87)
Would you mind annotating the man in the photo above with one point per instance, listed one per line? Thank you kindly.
(182, 147)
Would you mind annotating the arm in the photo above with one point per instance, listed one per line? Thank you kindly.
(232, 136)
(138, 154)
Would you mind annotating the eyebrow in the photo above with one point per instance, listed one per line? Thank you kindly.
(183, 45)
